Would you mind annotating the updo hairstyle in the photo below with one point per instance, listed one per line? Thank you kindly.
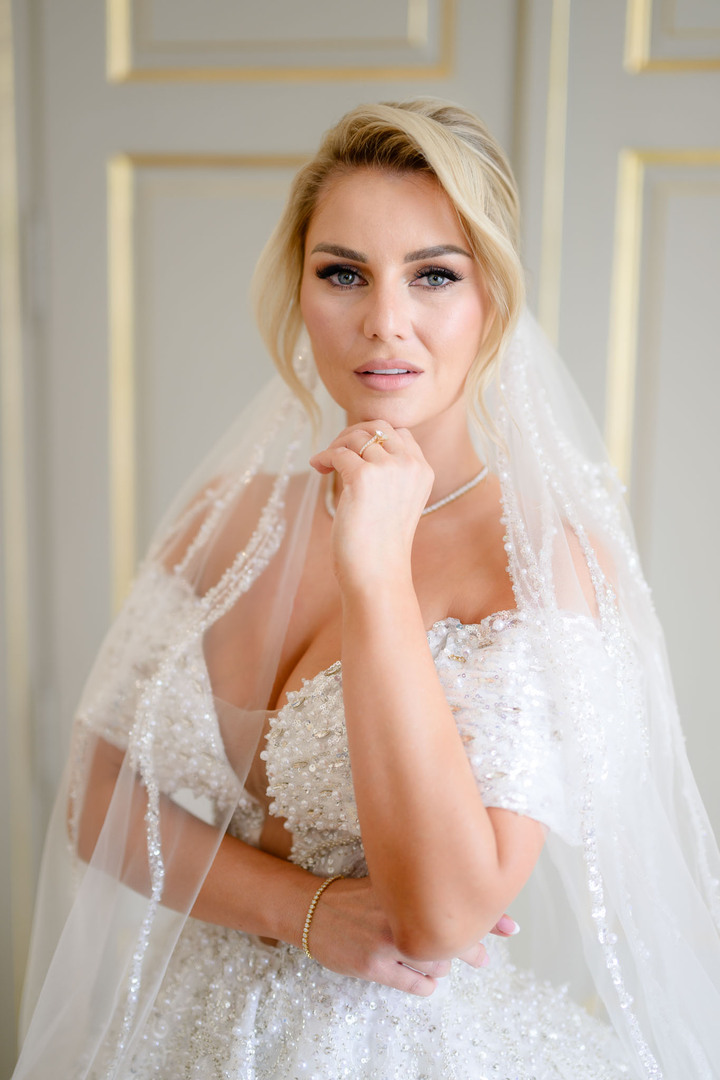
(423, 135)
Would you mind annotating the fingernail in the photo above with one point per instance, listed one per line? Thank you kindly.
(508, 926)
(485, 961)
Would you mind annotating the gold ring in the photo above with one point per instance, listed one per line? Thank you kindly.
(378, 437)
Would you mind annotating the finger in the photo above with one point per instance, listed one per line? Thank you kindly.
(505, 927)
(363, 442)
(420, 985)
(387, 971)
(436, 969)
(413, 981)
(358, 434)
(476, 956)
(359, 441)
(335, 459)
(403, 441)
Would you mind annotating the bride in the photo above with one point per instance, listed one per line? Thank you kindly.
(348, 703)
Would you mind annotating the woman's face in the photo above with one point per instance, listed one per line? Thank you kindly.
(391, 297)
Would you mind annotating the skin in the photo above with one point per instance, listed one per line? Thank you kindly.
(441, 870)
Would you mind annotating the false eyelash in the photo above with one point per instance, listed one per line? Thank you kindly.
(329, 271)
(441, 271)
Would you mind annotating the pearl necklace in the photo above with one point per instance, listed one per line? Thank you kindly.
(330, 494)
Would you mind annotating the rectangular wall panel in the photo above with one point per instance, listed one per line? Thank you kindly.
(187, 355)
(280, 39)
(675, 483)
(673, 35)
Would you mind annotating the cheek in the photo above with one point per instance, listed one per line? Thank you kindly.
(316, 316)
(461, 329)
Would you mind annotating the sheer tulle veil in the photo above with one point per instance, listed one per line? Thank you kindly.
(638, 868)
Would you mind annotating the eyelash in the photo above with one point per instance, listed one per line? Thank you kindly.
(327, 272)
(438, 271)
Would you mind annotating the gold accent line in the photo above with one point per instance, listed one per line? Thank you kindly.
(120, 61)
(671, 29)
(123, 468)
(707, 63)
(702, 158)
(418, 20)
(625, 294)
(638, 25)
(144, 160)
(624, 301)
(118, 18)
(554, 180)
(18, 763)
(638, 43)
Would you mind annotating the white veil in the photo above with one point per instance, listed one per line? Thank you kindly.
(639, 868)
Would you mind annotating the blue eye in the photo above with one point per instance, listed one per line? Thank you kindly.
(437, 277)
(343, 277)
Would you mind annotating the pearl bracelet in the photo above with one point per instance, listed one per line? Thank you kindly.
(311, 911)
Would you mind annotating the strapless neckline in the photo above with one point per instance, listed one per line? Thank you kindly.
(496, 621)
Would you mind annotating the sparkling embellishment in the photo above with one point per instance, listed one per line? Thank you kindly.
(231, 1006)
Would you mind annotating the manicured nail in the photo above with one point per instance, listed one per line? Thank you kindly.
(508, 926)
(485, 961)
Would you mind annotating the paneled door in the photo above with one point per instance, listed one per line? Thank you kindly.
(156, 141)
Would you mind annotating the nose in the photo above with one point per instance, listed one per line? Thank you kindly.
(387, 315)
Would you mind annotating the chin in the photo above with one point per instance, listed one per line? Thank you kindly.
(404, 414)
(396, 417)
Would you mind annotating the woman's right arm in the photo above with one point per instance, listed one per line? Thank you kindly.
(251, 891)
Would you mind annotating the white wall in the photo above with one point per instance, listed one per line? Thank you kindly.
(210, 138)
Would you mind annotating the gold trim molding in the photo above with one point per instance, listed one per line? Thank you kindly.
(122, 170)
(121, 323)
(18, 700)
(638, 45)
(121, 69)
(625, 293)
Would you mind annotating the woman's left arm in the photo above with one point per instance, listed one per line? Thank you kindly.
(444, 867)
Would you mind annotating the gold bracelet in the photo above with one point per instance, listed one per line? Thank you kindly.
(311, 911)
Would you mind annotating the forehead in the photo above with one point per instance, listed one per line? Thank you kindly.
(387, 207)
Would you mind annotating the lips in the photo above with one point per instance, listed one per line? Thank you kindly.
(387, 374)
(387, 367)
(385, 371)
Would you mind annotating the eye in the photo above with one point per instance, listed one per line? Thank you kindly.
(342, 277)
(436, 277)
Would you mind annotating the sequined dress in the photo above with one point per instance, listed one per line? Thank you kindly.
(234, 1008)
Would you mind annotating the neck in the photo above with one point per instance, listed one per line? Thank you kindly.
(448, 449)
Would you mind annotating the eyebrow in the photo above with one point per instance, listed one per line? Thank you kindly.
(412, 256)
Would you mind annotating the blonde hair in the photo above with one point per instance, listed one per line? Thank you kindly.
(422, 135)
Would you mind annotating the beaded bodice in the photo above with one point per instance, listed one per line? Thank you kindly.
(493, 679)
(494, 685)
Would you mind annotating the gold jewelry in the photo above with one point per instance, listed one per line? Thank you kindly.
(378, 437)
(311, 911)
(330, 493)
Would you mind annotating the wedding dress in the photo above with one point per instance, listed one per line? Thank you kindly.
(566, 710)
(230, 1006)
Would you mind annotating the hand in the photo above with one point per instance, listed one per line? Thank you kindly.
(383, 495)
(350, 935)
(477, 956)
